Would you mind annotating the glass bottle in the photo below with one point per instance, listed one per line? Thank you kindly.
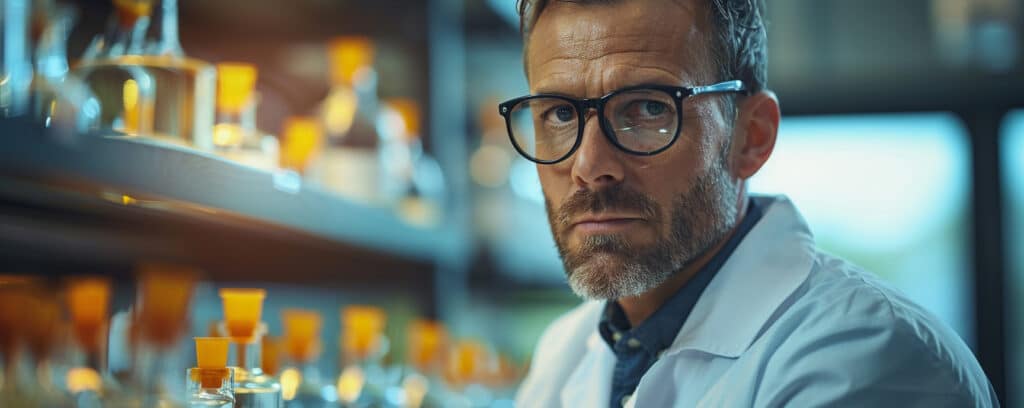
(363, 380)
(87, 301)
(110, 67)
(57, 100)
(12, 299)
(411, 179)
(235, 135)
(148, 87)
(210, 382)
(185, 87)
(242, 310)
(422, 382)
(302, 138)
(271, 355)
(349, 113)
(42, 333)
(469, 365)
(303, 384)
(29, 333)
(158, 321)
(15, 63)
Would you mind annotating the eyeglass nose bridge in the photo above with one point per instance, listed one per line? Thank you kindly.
(588, 104)
(596, 105)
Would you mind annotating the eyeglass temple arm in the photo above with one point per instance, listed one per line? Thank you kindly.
(721, 87)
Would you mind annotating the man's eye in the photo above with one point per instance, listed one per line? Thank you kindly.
(563, 113)
(654, 108)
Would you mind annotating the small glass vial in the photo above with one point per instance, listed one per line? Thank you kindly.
(302, 143)
(363, 378)
(305, 388)
(235, 135)
(349, 165)
(242, 311)
(210, 383)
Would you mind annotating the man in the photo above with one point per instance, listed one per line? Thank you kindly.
(645, 118)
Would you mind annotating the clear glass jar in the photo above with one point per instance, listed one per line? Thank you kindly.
(147, 86)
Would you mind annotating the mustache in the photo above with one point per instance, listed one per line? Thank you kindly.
(618, 198)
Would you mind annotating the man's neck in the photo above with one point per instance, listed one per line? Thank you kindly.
(639, 308)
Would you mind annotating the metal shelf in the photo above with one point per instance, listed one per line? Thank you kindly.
(116, 200)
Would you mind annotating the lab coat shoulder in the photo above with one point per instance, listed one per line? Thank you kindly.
(560, 348)
(848, 339)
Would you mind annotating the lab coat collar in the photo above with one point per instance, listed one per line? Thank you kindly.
(589, 385)
(773, 260)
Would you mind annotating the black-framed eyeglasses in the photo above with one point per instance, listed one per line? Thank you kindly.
(642, 120)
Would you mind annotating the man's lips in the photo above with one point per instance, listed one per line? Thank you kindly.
(604, 223)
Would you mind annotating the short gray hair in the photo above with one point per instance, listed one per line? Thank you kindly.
(739, 42)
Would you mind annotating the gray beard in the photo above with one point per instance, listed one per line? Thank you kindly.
(608, 267)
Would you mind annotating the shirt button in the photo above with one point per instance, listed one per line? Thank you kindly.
(617, 336)
(634, 343)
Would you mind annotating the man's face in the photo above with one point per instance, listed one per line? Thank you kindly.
(623, 223)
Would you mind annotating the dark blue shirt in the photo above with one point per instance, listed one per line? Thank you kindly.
(637, 348)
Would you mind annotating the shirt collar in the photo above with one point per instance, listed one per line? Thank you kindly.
(658, 331)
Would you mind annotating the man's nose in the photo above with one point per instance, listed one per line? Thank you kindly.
(597, 163)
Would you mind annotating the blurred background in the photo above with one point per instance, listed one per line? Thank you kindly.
(340, 152)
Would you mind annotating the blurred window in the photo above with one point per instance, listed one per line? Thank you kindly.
(889, 193)
(1012, 148)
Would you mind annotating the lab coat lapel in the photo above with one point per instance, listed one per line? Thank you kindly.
(773, 260)
(590, 384)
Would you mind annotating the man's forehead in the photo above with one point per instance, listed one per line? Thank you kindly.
(568, 35)
(595, 20)
(691, 6)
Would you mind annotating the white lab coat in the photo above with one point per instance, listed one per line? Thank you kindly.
(781, 324)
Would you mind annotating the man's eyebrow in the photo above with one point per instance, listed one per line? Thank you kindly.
(552, 91)
(546, 91)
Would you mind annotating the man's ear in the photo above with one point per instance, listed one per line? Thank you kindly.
(755, 131)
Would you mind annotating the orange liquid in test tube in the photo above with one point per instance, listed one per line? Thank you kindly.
(271, 353)
(301, 334)
(42, 324)
(88, 300)
(426, 343)
(242, 311)
(467, 361)
(13, 298)
(212, 352)
(235, 84)
(165, 292)
(303, 140)
(347, 55)
(362, 328)
(212, 360)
